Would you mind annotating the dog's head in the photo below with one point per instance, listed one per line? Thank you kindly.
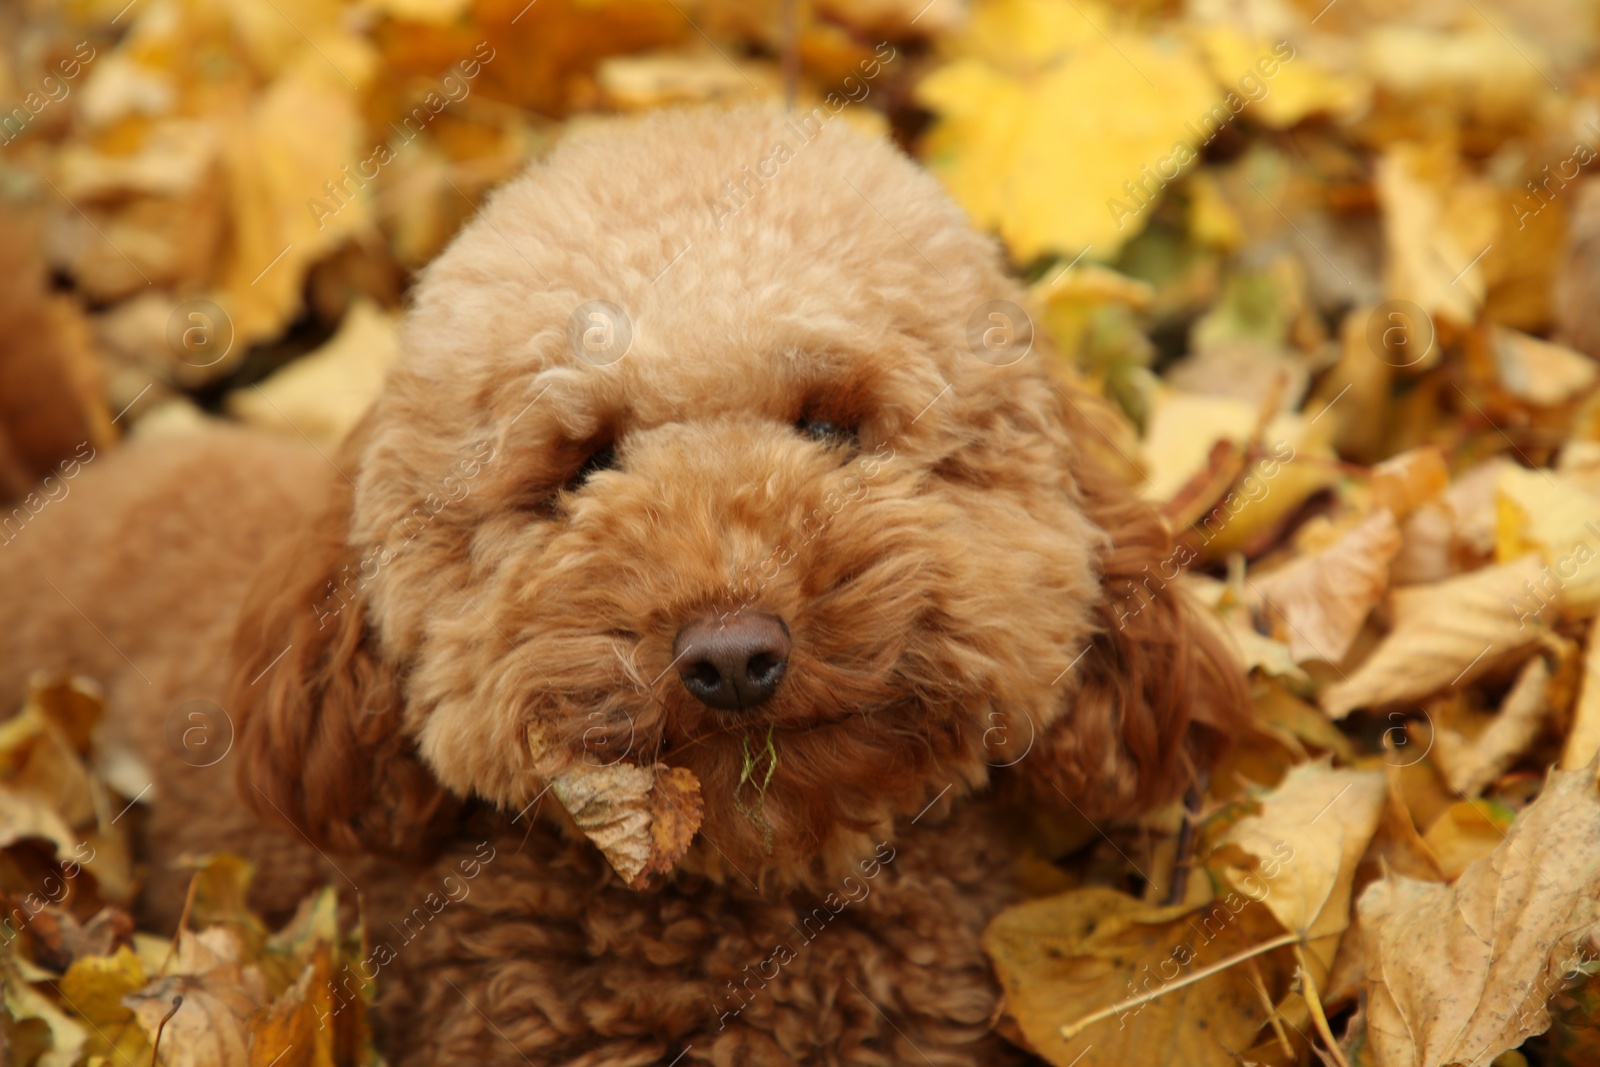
(720, 442)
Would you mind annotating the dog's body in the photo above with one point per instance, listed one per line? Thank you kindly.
(799, 445)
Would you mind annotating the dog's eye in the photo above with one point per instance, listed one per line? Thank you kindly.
(601, 459)
(827, 431)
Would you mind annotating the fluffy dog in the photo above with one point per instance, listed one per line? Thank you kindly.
(746, 492)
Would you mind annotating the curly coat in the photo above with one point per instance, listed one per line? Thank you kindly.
(968, 588)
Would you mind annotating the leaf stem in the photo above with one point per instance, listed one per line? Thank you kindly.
(1073, 1029)
(1308, 987)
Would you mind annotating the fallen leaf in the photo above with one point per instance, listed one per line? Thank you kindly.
(1014, 145)
(1442, 633)
(1062, 957)
(1539, 372)
(1181, 432)
(1312, 830)
(1465, 832)
(207, 1030)
(1431, 245)
(1319, 602)
(1403, 483)
(1470, 765)
(323, 395)
(95, 986)
(1460, 973)
(1554, 515)
(22, 1001)
(1583, 740)
(1294, 89)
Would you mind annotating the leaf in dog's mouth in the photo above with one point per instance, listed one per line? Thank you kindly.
(642, 818)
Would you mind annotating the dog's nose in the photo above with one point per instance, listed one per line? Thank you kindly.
(733, 662)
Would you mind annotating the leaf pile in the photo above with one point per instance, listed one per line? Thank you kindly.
(81, 986)
(1335, 263)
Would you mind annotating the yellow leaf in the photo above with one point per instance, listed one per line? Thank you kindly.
(1281, 93)
(1017, 146)
(1212, 219)
(1460, 973)
(1179, 435)
(1313, 830)
(1061, 958)
(94, 986)
(23, 1001)
(1465, 833)
(1551, 513)
(1443, 633)
(1470, 766)
(323, 395)
(297, 138)
(292, 1031)
(1433, 237)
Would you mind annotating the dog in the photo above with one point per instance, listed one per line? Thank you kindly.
(788, 497)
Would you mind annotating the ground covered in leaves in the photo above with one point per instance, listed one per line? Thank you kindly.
(1334, 262)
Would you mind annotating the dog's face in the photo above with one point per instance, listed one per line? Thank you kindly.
(737, 478)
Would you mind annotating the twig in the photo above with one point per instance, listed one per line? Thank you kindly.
(183, 920)
(1179, 887)
(1308, 987)
(155, 1050)
(1072, 1030)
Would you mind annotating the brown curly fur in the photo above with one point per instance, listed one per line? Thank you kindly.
(957, 582)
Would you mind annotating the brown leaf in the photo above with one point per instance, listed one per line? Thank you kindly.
(641, 818)
(676, 809)
(207, 1030)
(1320, 601)
(1460, 973)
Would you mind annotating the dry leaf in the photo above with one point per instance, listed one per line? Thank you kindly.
(1470, 765)
(1459, 973)
(324, 394)
(1062, 957)
(1319, 601)
(1465, 833)
(1431, 245)
(1442, 634)
(1583, 741)
(207, 1030)
(1405, 482)
(1553, 514)
(1180, 434)
(1539, 372)
(641, 818)
(1314, 829)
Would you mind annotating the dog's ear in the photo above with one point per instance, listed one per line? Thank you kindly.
(317, 709)
(1159, 697)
